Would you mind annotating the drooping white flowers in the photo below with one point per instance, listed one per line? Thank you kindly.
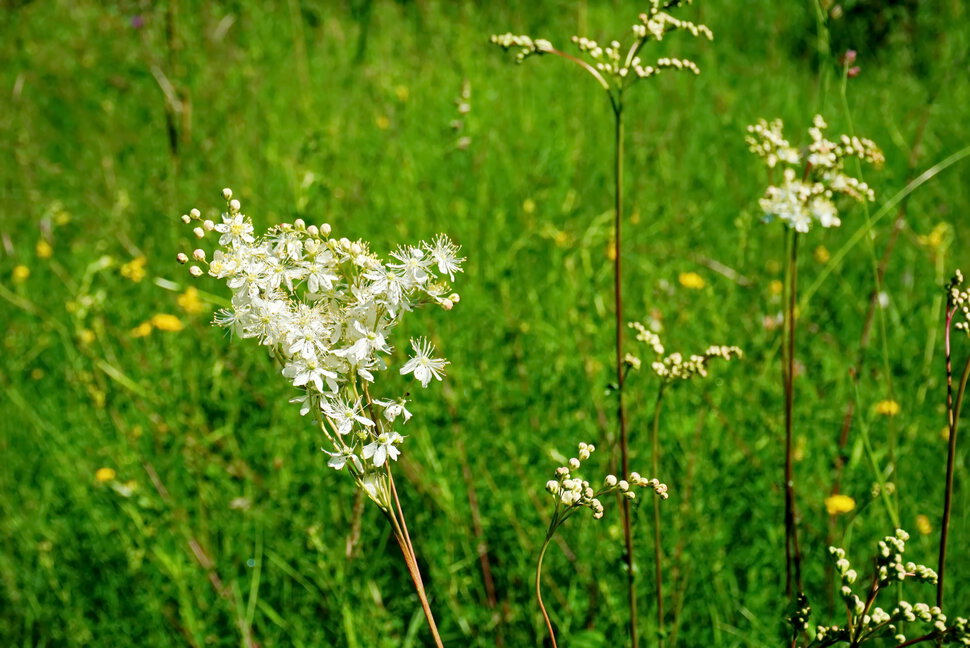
(958, 299)
(811, 177)
(325, 308)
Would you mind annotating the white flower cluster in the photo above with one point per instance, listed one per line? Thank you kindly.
(572, 493)
(811, 177)
(674, 367)
(325, 308)
(958, 298)
(867, 621)
(615, 65)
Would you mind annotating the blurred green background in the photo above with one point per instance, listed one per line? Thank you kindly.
(214, 520)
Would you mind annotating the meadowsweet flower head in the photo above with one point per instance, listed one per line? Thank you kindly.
(811, 177)
(325, 307)
(674, 366)
(958, 302)
(615, 65)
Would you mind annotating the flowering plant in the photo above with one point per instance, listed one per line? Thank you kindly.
(325, 308)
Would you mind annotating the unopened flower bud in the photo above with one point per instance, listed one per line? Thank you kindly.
(299, 224)
(630, 495)
(574, 463)
(624, 485)
(325, 229)
(610, 481)
(552, 486)
(195, 271)
(199, 232)
(208, 225)
(447, 304)
(454, 298)
(234, 206)
(182, 257)
(186, 219)
(195, 214)
(227, 194)
(313, 230)
(198, 254)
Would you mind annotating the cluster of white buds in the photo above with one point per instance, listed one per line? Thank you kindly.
(527, 46)
(803, 612)
(675, 367)
(811, 176)
(615, 66)
(325, 308)
(958, 298)
(867, 621)
(572, 493)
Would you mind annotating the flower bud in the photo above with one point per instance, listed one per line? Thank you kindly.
(227, 194)
(610, 481)
(195, 214)
(198, 254)
(325, 229)
(208, 225)
(574, 463)
(299, 224)
(199, 232)
(234, 206)
(182, 257)
(552, 486)
(313, 230)
(195, 271)
(186, 219)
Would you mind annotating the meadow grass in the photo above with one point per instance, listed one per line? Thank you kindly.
(223, 525)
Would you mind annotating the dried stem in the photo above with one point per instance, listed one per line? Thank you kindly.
(792, 553)
(953, 416)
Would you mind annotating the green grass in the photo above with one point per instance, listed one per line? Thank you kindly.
(235, 530)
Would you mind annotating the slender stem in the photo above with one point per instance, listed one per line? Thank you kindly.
(620, 375)
(917, 640)
(542, 607)
(792, 552)
(407, 548)
(953, 415)
(657, 552)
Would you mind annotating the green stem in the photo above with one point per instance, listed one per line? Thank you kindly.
(792, 553)
(657, 553)
(542, 607)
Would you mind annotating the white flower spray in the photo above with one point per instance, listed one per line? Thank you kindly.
(812, 178)
(325, 308)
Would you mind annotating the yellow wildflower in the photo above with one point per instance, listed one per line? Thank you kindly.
(143, 329)
(166, 322)
(822, 254)
(887, 408)
(43, 249)
(529, 206)
(134, 269)
(402, 92)
(383, 122)
(776, 287)
(20, 273)
(938, 238)
(839, 504)
(923, 524)
(691, 280)
(611, 251)
(105, 474)
(85, 336)
(189, 301)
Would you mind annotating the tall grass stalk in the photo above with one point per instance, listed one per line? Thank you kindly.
(657, 547)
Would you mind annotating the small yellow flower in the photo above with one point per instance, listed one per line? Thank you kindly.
(611, 251)
(945, 433)
(691, 280)
(887, 408)
(923, 524)
(189, 301)
(529, 206)
(43, 249)
(85, 336)
(134, 269)
(402, 93)
(165, 322)
(143, 329)
(938, 238)
(776, 287)
(839, 504)
(21, 273)
(821, 254)
(383, 122)
(105, 474)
